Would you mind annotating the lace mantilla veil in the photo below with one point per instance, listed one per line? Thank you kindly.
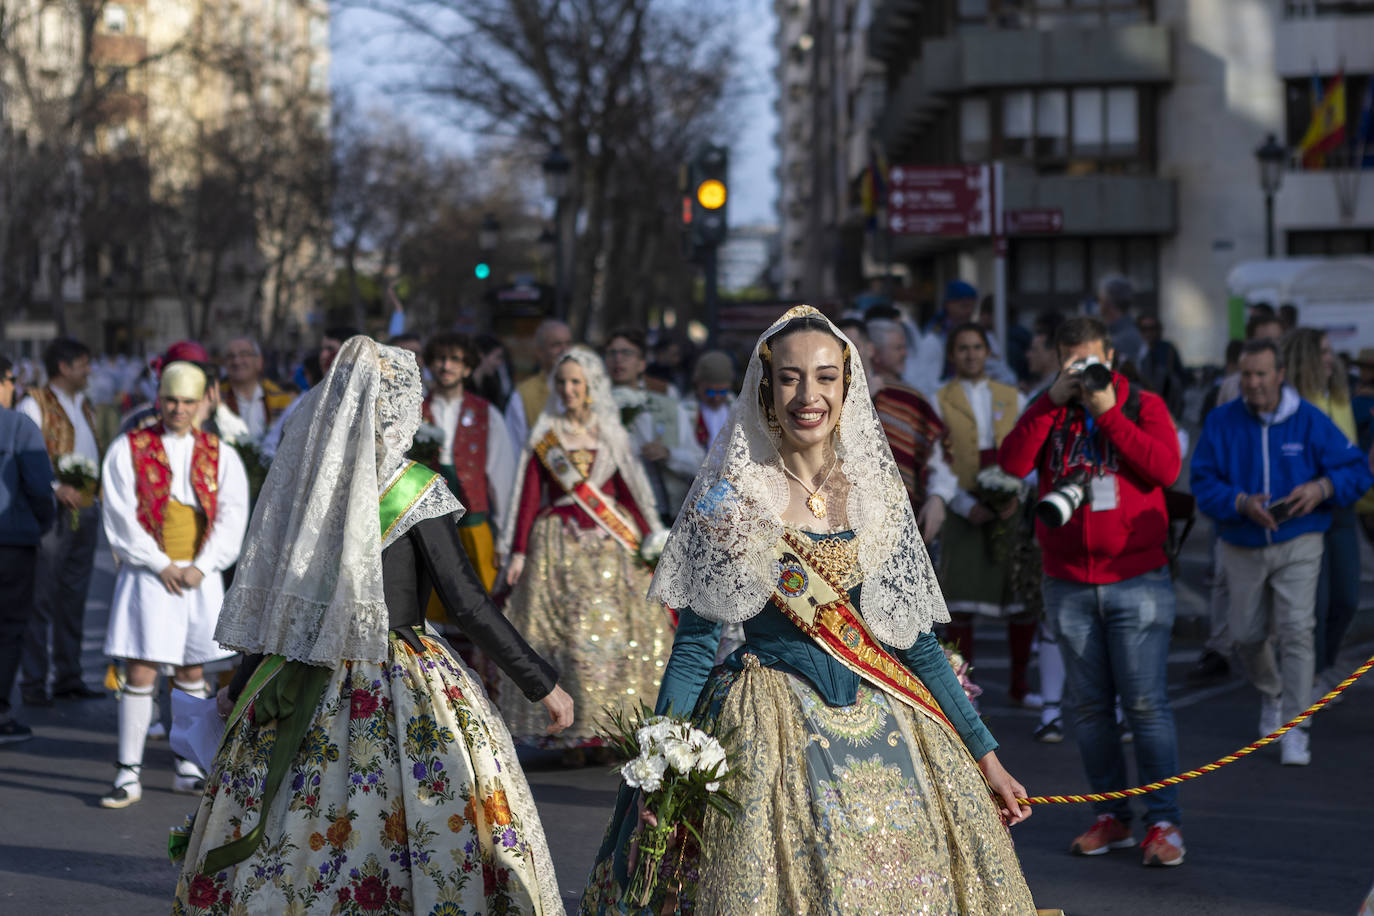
(719, 560)
(613, 453)
(309, 583)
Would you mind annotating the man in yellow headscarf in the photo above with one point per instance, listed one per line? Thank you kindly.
(176, 507)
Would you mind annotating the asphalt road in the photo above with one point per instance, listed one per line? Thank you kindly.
(1262, 839)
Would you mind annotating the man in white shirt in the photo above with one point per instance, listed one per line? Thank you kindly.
(931, 366)
(176, 508)
(476, 457)
(67, 552)
(659, 426)
(257, 401)
(551, 340)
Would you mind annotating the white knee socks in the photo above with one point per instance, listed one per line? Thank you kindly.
(1051, 677)
(135, 714)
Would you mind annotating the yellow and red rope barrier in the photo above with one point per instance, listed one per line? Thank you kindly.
(1215, 764)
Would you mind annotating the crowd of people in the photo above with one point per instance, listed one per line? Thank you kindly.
(1034, 489)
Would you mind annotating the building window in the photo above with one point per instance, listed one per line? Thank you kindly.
(1326, 243)
(1083, 123)
(975, 134)
(1051, 124)
(1061, 273)
(115, 19)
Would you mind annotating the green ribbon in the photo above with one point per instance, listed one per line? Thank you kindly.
(288, 692)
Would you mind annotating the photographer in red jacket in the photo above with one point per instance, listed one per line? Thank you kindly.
(1104, 454)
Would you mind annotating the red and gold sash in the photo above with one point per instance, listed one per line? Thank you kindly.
(585, 495)
(153, 477)
(820, 608)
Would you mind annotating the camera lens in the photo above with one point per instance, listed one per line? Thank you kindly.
(1096, 377)
(1059, 505)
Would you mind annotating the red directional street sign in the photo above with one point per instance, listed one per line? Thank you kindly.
(1027, 222)
(939, 200)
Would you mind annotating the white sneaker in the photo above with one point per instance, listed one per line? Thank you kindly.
(1271, 719)
(1294, 747)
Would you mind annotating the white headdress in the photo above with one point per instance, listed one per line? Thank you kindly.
(613, 450)
(719, 560)
(309, 583)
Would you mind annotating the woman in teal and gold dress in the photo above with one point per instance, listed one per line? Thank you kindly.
(363, 769)
(868, 783)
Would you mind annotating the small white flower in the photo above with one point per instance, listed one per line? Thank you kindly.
(628, 397)
(645, 772)
(430, 433)
(654, 732)
(680, 755)
(994, 479)
(713, 786)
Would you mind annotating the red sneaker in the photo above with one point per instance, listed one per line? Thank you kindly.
(1163, 845)
(1107, 834)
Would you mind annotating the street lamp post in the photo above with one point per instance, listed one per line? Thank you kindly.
(556, 168)
(1271, 157)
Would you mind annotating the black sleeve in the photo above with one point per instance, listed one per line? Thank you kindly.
(246, 668)
(471, 609)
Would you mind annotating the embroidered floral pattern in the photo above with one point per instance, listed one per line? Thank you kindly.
(396, 802)
(153, 477)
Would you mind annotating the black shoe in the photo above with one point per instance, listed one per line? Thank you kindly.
(1051, 732)
(79, 692)
(1212, 666)
(36, 698)
(12, 732)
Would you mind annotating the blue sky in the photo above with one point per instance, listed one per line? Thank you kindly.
(367, 48)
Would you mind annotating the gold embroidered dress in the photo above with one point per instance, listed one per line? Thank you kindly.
(852, 744)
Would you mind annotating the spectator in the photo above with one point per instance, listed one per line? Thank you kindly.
(1161, 368)
(1114, 296)
(1042, 362)
(660, 428)
(672, 356)
(913, 428)
(475, 457)
(1288, 316)
(976, 548)
(255, 400)
(1213, 664)
(67, 555)
(1231, 369)
(1268, 443)
(1107, 591)
(1320, 380)
(310, 374)
(27, 510)
(714, 380)
(214, 416)
(931, 365)
(551, 340)
(492, 377)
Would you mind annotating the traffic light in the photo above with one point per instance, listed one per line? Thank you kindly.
(482, 270)
(705, 210)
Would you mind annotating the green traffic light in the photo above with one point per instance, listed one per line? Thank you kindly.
(483, 271)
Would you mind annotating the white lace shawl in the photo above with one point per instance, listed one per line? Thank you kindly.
(719, 559)
(309, 581)
(613, 449)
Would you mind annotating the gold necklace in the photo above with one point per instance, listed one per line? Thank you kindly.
(815, 502)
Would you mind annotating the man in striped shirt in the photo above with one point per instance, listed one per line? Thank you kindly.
(913, 428)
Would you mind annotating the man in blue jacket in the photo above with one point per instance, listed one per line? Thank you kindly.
(27, 509)
(1268, 468)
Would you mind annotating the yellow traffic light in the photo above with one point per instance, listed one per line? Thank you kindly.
(711, 194)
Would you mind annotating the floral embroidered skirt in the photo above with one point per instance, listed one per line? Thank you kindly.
(581, 605)
(866, 809)
(405, 797)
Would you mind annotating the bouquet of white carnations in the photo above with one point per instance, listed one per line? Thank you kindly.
(679, 769)
(996, 489)
(82, 474)
(651, 548)
(429, 439)
(632, 402)
(255, 464)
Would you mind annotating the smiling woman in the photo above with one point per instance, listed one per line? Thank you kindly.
(861, 767)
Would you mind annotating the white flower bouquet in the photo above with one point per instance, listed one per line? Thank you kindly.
(998, 490)
(82, 474)
(255, 463)
(631, 401)
(679, 769)
(429, 439)
(651, 548)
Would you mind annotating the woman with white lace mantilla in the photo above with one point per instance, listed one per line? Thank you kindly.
(362, 768)
(867, 781)
(576, 534)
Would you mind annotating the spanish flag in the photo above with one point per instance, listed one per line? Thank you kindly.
(1327, 130)
(873, 188)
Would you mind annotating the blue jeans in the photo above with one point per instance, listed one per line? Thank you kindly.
(1115, 641)
(1338, 589)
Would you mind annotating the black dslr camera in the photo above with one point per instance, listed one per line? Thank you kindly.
(1092, 372)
